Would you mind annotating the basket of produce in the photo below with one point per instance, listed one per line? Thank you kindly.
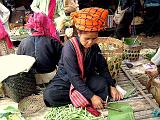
(132, 47)
(148, 53)
(112, 50)
(19, 86)
(4, 50)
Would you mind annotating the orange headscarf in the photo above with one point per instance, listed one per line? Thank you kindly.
(90, 19)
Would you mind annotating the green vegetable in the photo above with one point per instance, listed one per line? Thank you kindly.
(131, 41)
(129, 93)
(69, 112)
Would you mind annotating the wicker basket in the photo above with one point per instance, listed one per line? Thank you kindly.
(31, 104)
(132, 48)
(19, 86)
(112, 50)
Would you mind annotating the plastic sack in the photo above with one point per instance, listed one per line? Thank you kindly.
(119, 14)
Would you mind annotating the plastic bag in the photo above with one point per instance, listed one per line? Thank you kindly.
(119, 14)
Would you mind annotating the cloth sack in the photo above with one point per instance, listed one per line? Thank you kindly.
(119, 14)
(126, 114)
(155, 89)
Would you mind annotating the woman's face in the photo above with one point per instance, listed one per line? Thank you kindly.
(87, 39)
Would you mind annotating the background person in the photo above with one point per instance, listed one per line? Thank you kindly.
(43, 45)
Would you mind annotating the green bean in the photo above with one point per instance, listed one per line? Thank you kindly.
(69, 112)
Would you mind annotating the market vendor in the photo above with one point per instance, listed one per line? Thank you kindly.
(43, 44)
(83, 77)
(155, 61)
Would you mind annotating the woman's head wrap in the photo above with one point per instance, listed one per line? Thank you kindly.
(90, 19)
(42, 25)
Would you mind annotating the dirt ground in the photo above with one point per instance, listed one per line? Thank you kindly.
(153, 43)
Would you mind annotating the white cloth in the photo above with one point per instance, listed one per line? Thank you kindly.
(156, 58)
(4, 16)
(4, 13)
(14, 64)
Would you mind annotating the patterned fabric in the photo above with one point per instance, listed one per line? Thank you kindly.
(43, 25)
(78, 100)
(4, 49)
(90, 19)
(4, 36)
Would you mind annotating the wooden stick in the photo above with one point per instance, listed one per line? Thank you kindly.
(153, 104)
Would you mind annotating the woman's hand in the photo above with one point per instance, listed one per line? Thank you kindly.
(152, 74)
(115, 94)
(97, 102)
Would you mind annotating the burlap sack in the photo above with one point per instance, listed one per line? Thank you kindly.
(155, 90)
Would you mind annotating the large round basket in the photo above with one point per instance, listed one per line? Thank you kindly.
(132, 47)
(19, 86)
(112, 50)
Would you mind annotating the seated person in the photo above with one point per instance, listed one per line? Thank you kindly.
(44, 44)
(83, 77)
(155, 61)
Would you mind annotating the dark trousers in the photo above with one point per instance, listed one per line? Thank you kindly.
(57, 94)
(152, 21)
(123, 29)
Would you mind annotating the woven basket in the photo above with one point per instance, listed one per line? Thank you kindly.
(19, 86)
(112, 50)
(4, 50)
(31, 104)
(132, 49)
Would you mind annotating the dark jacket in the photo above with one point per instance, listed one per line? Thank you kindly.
(131, 5)
(69, 72)
(45, 50)
(93, 3)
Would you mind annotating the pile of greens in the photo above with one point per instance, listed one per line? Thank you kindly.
(148, 53)
(10, 113)
(69, 112)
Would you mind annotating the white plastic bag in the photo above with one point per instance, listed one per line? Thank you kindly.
(119, 14)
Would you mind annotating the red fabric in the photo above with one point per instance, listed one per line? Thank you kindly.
(43, 25)
(4, 35)
(77, 99)
(93, 111)
(51, 8)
